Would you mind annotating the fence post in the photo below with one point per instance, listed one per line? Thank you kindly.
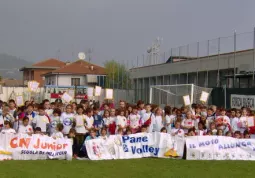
(253, 56)
(234, 59)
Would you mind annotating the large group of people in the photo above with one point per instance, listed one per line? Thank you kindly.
(85, 121)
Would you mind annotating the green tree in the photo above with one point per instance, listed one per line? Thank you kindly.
(117, 75)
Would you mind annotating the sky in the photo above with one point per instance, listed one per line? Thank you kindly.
(116, 29)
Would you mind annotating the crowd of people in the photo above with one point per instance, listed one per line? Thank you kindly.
(85, 121)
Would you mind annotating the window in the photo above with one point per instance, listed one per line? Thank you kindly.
(32, 75)
(75, 81)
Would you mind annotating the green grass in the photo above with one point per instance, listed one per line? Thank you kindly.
(146, 167)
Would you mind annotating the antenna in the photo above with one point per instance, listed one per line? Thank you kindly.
(90, 51)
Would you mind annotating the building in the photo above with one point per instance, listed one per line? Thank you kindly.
(78, 73)
(36, 71)
(231, 70)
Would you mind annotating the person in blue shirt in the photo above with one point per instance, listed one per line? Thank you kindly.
(98, 120)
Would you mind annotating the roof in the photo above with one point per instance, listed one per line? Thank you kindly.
(32, 67)
(80, 67)
(45, 64)
(50, 63)
(173, 59)
(11, 82)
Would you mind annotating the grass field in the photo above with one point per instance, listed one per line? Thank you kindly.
(147, 167)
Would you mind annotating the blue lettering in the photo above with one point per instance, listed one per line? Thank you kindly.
(216, 141)
(156, 151)
(125, 138)
(139, 150)
(220, 147)
(201, 144)
(133, 148)
(207, 143)
(132, 140)
(145, 139)
(244, 144)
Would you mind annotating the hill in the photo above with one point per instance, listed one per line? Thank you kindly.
(9, 66)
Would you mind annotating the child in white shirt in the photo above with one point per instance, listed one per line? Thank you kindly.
(7, 128)
(67, 119)
(235, 122)
(41, 120)
(177, 131)
(158, 122)
(58, 133)
(188, 123)
(89, 120)
(112, 123)
(25, 128)
(148, 118)
(169, 119)
(121, 121)
(54, 120)
(79, 120)
(134, 120)
(223, 122)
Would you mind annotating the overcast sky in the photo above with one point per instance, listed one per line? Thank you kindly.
(119, 29)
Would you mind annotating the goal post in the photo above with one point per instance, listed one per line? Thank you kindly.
(173, 94)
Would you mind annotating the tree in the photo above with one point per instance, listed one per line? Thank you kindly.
(117, 75)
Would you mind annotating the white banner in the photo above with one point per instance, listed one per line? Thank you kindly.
(239, 101)
(136, 146)
(219, 148)
(24, 147)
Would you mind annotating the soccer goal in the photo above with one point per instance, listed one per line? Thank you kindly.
(173, 95)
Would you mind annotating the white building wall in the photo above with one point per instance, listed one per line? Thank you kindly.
(65, 80)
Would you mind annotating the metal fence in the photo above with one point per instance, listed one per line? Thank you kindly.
(217, 46)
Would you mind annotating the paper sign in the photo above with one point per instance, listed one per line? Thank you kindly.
(33, 86)
(19, 100)
(97, 91)
(90, 92)
(66, 97)
(186, 100)
(204, 96)
(71, 93)
(108, 93)
(250, 121)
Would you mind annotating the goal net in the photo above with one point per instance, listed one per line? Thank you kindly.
(173, 94)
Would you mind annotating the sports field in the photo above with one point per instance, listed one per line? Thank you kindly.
(146, 167)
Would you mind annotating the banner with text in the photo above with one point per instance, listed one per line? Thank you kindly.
(219, 148)
(239, 101)
(24, 147)
(136, 146)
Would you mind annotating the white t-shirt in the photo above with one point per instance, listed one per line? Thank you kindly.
(122, 121)
(41, 121)
(134, 120)
(57, 135)
(106, 121)
(53, 123)
(243, 123)
(179, 132)
(187, 123)
(49, 112)
(80, 123)
(141, 112)
(7, 131)
(158, 123)
(146, 117)
(226, 120)
(234, 124)
(25, 129)
(169, 120)
(67, 120)
(89, 122)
